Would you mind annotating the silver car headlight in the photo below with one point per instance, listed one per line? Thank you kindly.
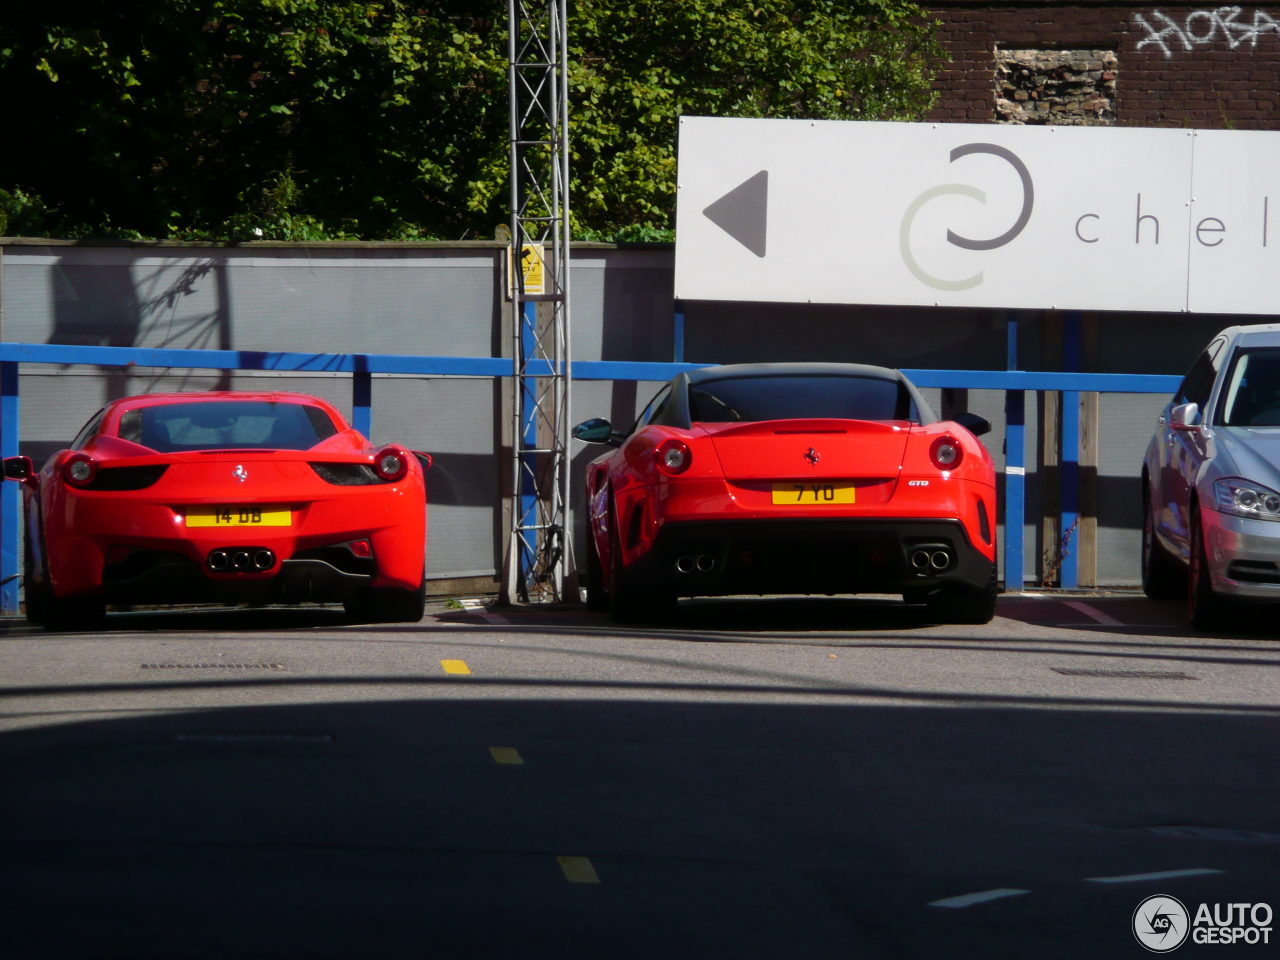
(1246, 499)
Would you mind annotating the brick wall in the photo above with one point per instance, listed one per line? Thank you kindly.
(1177, 64)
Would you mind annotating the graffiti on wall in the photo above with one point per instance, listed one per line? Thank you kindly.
(1202, 27)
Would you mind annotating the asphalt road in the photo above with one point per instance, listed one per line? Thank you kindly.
(786, 779)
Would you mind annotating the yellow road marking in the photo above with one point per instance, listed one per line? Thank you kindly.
(455, 666)
(578, 870)
(506, 755)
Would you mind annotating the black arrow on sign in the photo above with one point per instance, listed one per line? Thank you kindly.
(743, 212)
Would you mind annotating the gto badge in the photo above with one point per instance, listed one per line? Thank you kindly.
(917, 483)
(240, 473)
(813, 456)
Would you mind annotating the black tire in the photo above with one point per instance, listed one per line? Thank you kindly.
(630, 599)
(962, 605)
(597, 596)
(1206, 609)
(388, 604)
(76, 614)
(33, 592)
(958, 603)
(1163, 577)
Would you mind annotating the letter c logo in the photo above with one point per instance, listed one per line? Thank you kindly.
(1028, 201)
(1080, 235)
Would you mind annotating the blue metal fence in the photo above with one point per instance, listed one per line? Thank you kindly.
(1015, 383)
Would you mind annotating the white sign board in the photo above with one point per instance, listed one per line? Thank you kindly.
(980, 215)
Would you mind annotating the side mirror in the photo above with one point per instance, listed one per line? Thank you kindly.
(1185, 416)
(595, 430)
(422, 458)
(973, 423)
(19, 468)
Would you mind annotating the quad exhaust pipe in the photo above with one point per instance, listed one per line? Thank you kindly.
(241, 560)
(930, 561)
(702, 562)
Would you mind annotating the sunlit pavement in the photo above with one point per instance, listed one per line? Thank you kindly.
(758, 778)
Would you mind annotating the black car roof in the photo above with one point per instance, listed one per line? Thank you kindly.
(792, 370)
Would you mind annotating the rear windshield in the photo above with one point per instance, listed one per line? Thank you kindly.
(794, 398)
(1251, 397)
(227, 425)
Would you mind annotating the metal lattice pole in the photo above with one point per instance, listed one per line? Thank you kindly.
(539, 548)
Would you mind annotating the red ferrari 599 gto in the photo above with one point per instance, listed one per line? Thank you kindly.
(223, 497)
(791, 478)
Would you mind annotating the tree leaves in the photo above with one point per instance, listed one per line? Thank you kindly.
(389, 118)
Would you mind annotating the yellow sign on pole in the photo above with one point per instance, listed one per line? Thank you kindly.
(532, 268)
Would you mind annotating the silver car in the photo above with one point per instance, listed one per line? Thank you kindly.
(1211, 480)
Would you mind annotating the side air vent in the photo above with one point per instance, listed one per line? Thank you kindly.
(633, 531)
(126, 478)
(1253, 571)
(347, 474)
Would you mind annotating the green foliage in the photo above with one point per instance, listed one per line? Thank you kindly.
(23, 211)
(385, 119)
(275, 215)
(638, 65)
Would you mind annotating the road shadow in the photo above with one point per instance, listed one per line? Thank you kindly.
(734, 829)
(751, 615)
(801, 614)
(210, 619)
(1137, 614)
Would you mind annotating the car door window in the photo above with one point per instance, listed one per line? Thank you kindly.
(1251, 392)
(1198, 382)
(653, 408)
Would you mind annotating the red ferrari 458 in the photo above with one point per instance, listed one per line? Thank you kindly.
(791, 478)
(223, 497)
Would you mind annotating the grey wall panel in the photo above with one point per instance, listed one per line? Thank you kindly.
(375, 300)
(455, 420)
(1126, 425)
(622, 305)
(54, 406)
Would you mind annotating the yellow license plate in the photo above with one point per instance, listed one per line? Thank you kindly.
(238, 515)
(821, 493)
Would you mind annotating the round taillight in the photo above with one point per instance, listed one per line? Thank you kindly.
(79, 470)
(674, 456)
(946, 453)
(391, 464)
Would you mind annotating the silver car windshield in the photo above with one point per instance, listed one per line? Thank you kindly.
(1251, 392)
